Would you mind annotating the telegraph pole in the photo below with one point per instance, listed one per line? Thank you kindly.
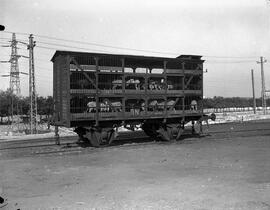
(32, 87)
(262, 61)
(253, 91)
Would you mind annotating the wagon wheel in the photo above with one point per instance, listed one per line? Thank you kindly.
(150, 130)
(94, 136)
(179, 132)
(111, 136)
(98, 136)
(171, 132)
(81, 132)
(166, 133)
(198, 128)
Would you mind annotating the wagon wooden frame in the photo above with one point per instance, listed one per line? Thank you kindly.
(98, 125)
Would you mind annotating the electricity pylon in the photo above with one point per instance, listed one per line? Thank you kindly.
(14, 82)
(14, 68)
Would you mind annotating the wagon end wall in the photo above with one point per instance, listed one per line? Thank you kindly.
(61, 90)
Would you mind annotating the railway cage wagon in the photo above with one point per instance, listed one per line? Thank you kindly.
(98, 93)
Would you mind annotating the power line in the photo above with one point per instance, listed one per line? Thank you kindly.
(16, 32)
(141, 50)
(104, 51)
(99, 45)
(133, 49)
(120, 48)
(43, 60)
(80, 48)
(43, 53)
(231, 57)
(110, 46)
(229, 62)
(39, 67)
(4, 38)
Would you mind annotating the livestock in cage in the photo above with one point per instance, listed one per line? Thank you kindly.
(98, 93)
(193, 105)
(116, 84)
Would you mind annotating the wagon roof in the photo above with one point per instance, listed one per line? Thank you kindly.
(195, 58)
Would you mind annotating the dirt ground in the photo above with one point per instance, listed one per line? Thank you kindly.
(196, 173)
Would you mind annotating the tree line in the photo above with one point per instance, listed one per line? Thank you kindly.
(221, 102)
(10, 104)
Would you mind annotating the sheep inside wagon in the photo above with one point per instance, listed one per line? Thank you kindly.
(135, 83)
(104, 106)
(135, 106)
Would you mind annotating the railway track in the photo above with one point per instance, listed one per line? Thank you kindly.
(68, 144)
(46, 146)
(38, 142)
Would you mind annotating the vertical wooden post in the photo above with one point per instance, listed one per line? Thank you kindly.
(123, 74)
(56, 135)
(97, 92)
(146, 106)
(146, 81)
(166, 82)
(68, 95)
(253, 92)
(183, 80)
(183, 104)
(202, 104)
(183, 87)
(123, 86)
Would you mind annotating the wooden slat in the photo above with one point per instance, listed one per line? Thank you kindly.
(175, 71)
(193, 92)
(193, 72)
(82, 91)
(84, 67)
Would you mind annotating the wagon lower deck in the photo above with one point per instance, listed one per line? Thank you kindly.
(157, 127)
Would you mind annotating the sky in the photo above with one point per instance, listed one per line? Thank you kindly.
(231, 35)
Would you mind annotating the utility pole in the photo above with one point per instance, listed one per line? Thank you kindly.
(262, 61)
(253, 91)
(32, 87)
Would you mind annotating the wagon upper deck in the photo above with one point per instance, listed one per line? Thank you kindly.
(96, 88)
